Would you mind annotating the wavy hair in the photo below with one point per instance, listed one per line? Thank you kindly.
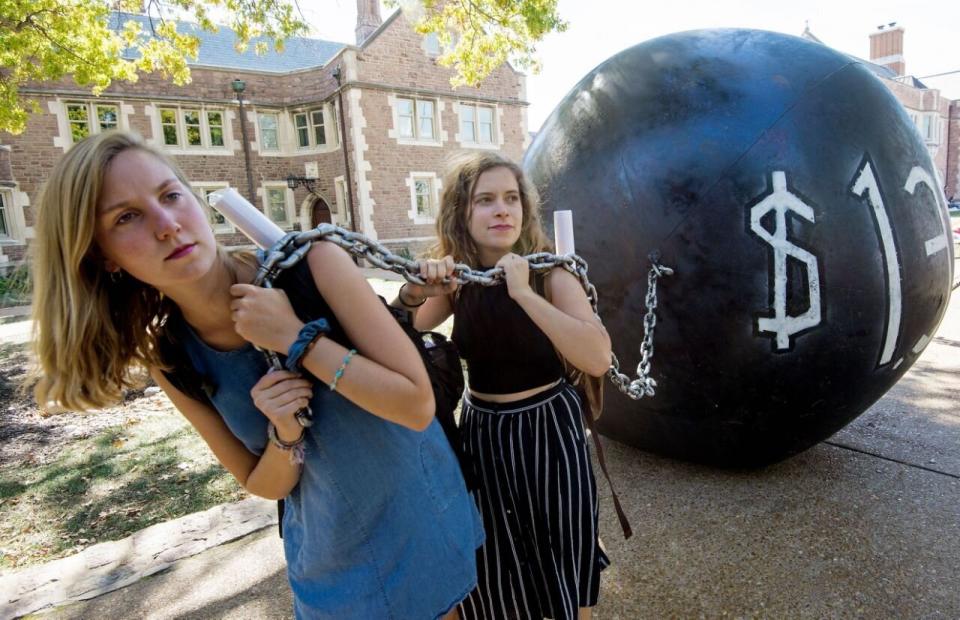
(453, 231)
(93, 336)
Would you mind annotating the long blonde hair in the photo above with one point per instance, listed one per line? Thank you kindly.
(92, 336)
(453, 230)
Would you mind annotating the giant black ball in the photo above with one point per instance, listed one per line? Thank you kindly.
(800, 209)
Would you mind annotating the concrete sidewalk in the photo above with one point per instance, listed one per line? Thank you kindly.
(864, 525)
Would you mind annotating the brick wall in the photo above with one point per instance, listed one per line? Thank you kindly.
(396, 56)
(33, 154)
(925, 101)
(392, 62)
(952, 176)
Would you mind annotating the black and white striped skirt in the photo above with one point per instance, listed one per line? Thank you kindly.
(538, 498)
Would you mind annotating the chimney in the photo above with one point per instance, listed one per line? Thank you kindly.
(886, 47)
(368, 19)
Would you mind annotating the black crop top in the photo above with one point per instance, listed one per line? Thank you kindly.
(504, 349)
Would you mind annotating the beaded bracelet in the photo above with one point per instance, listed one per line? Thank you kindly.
(294, 448)
(308, 336)
(343, 366)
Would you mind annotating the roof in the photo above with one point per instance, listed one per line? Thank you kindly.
(909, 80)
(216, 48)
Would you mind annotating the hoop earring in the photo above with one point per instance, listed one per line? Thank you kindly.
(115, 276)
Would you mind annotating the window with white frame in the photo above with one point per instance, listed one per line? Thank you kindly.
(269, 123)
(192, 127)
(477, 124)
(424, 200)
(168, 126)
(215, 127)
(85, 118)
(276, 206)
(310, 128)
(416, 119)
(423, 192)
(6, 216)
(191, 122)
(217, 221)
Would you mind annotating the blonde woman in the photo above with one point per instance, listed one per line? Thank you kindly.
(128, 275)
(521, 422)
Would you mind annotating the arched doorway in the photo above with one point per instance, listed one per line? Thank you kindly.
(320, 213)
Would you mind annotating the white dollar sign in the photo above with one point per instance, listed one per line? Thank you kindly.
(781, 201)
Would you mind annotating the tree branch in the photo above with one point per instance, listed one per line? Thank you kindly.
(61, 46)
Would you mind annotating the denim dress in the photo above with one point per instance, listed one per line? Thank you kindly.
(380, 524)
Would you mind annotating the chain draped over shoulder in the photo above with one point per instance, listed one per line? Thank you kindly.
(290, 249)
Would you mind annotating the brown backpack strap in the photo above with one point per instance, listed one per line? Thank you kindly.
(538, 283)
(621, 515)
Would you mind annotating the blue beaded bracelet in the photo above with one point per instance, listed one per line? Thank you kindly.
(308, 334)
(343, 366)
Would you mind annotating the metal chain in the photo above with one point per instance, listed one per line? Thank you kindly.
(644, 384)
(294, 246)
(284, 254)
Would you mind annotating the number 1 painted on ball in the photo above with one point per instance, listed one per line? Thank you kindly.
(865, 182)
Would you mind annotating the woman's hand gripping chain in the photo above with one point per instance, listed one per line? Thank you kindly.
(265, 318)
(438, 276)
(279, 395)
(516, 274)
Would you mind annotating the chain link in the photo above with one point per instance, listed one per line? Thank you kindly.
(644, 384)
(294, 246)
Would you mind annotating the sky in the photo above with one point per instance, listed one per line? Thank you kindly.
(599, 29)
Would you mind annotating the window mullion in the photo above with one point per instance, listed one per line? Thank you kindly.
(416, 119)
(181, 128)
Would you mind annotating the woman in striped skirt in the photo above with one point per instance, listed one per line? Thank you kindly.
(522, 423)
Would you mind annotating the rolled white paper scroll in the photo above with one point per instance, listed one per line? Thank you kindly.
(247, 218)
(563, 232)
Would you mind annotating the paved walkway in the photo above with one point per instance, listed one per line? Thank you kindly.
(110, 566)
(15, 311)
(864, 525)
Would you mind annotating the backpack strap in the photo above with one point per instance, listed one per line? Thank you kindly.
(621, 515)
(538, 283)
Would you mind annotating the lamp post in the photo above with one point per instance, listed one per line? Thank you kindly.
(238, 87)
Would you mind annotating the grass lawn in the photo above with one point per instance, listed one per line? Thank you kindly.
(69, 481)
(108, 484)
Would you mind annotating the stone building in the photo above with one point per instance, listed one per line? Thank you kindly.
(357, 135)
